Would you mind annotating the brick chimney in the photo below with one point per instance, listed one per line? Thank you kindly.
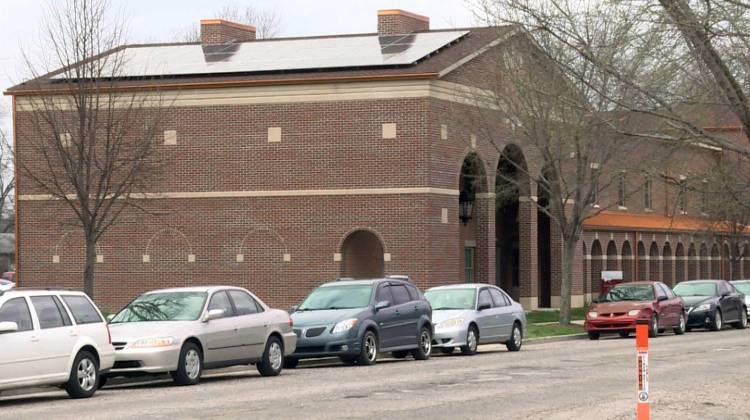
(401, 22)
(219, 31)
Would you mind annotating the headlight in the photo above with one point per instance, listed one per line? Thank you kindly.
(345, 325)
(451, 323)
(704, 307)
(153, 342)
(593, 314)
(634, 312)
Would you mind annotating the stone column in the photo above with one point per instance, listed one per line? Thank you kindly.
(528, 272)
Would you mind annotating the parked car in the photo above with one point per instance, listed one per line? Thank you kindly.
(466, 315)
(186, 330)
(623, 305)
(6, 285)
(53, 338)
(712, 303)
(9, 275)
(357, 319)
(743, 286)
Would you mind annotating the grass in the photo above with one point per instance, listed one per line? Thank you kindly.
(552, 330)
(538, 317)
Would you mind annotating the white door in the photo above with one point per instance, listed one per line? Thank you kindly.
(221, 335)
(56, 334)
(20, 350)
(253, 324)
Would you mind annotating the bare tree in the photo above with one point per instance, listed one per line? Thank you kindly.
(7, 181)
(90, 146)
(267, 22)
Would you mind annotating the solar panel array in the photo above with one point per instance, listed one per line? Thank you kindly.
(280, 55)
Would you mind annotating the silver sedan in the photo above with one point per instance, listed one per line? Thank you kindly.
(182, 331)
(466, 315)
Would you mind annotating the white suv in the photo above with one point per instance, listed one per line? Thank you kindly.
(52, 338)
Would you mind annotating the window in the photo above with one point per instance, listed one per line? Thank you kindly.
(621, 191)
(659, 291)
(47, 312)
(17, 310)
(469, 264)
(244, 303)
(82, 309)
(647, 187)
(413, 292)
(400, 294)
(682, 197)
(220, 300)
(484, 298)
(595, 192)
(63, 311)
(384, 294)
(499, 298)
(704, 197)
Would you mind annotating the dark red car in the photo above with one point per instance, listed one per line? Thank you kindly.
(619, 309)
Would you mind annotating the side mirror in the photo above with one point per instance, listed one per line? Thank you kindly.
(382, 305)
(213, 314)
(661, 298)
(8, 327)
(110, 317)
(484, 306)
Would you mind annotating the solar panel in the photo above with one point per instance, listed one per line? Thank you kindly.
(280, 55)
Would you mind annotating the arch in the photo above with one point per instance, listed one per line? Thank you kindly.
(362, 255)
(167, 231)
(716, 262)
(653, 263)
(270, 231)
(596, 267)
(692, 263)
(627, 261)
(77, 249)
(473, 213)
(679, 263)
(703, 265)
(642, 263)
(612, 264)
(667, 265)
(511, 183)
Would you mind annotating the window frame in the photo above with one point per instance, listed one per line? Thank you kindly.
(384, 286)
(648, 199)
(229, 300)
(28, 312)
(469, 271)
(258, 309)
(479, 296)
(54, 305)
(505, 302)
(621, 190)
(392, 285)
(64, 300)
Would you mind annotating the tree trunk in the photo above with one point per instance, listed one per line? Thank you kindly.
(569, 251)
(88, 271)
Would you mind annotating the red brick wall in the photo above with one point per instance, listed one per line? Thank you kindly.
(223, 32)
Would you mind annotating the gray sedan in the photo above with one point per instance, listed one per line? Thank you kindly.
(182, 331)
(466, 315)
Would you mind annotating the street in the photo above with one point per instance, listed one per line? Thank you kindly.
(700, 375)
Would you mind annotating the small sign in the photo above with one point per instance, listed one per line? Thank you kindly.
(642, 376)
(611, 275)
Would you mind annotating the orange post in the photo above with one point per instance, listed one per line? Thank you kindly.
(643, 410)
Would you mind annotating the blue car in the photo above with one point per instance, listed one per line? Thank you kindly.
(357, 319)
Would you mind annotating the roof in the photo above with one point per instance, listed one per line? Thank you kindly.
(648, 221)
(465, 42)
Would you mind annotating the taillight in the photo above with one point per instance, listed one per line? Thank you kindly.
(109, 335)
(291, 323)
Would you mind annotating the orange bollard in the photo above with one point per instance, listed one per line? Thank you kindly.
(643, 410)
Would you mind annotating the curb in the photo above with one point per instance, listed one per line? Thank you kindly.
(555, 338)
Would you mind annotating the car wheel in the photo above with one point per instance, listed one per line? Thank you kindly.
(680, 329)
(273, 358)
(189, 366)
(516, 338)
(102, 381)
(348, 360)
(399, 354)
(368, 355)
(742, 323)
(718, 322)
(653, 327)
(291, 362)
(624, 334)
(424, 344)
(447, 350)
(84, 374)
(472, 340)
(593, 335)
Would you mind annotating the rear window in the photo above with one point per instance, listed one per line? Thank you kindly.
(400, 294)
(48, 313)
(82, 309)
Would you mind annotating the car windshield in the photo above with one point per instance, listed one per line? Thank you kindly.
(743, 287)
(444, 299)
(636, 292)
(337, 297)
(171, 306)
(696, 289)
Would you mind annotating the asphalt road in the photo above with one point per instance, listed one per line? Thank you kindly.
(700, 375)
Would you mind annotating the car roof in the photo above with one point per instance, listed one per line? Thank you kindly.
(206, 289)
(352, 282)
(628, 283)
(740, 281)
(461, 286)
(702, 281)
(39, 292)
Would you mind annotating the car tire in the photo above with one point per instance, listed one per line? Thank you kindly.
(653, 326)
(680, 329)
(399, 354)
(348, 360)
(447, 350)
(624, 334)
(516, 338)
(593, 335)
(189, 365)
(688, 329)
(273, 358)
(424, 344)
(472, 342)
(742, 323)
(102, 381)
(717, 322)
(368, 354)
(291, 362)
(84, 376)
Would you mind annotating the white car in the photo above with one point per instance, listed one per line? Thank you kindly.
(52, 338)
(6, 285)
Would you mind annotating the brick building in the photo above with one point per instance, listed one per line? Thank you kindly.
(305, 159)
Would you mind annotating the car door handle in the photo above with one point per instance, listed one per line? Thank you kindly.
(397, 312)
(72, 334)
(34, 339)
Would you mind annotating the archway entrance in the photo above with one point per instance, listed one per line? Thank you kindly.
(473, 180)
(362, 256)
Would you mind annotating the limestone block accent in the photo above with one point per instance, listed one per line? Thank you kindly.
(444, 216)
(530, 303)
(337, 257)
(191, 258)
(240, 258)
(55, 259)
(170, 137)
(389, 131)
(387, 257)
(146, 258)
(66, 140)
(443, 132)
(287, 258)
(473, 141)
(100, 259)
(274, 134)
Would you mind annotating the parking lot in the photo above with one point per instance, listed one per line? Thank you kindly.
(700, 375)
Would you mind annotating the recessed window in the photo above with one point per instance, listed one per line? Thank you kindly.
(621, 191)
(682, 201)
(647, 197)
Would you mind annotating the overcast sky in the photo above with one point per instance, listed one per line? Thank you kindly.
(156, 20)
